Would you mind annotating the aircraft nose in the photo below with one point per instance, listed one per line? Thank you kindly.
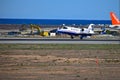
(57, 30)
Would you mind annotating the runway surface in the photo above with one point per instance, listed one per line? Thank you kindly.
(55, 41)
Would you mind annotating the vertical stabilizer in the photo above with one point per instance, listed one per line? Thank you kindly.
(91, 28)
(114, 19)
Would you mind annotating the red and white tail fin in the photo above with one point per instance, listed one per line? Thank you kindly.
(115, 20)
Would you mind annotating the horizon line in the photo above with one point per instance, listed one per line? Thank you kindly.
(55, 19)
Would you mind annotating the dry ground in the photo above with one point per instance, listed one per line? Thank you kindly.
(59, 64)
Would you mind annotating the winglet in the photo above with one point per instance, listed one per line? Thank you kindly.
(115, 20)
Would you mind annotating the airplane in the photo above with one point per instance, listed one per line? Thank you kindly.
(115, 21)
(72, 31)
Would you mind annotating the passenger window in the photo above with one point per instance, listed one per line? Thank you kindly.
(82, 29)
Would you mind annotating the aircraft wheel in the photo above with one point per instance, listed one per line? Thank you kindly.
(81, 37)
(72, 37)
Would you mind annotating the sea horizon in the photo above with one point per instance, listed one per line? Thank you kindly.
(52, 21)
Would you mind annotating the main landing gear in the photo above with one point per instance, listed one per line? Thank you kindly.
(81, 37)
(72, 37)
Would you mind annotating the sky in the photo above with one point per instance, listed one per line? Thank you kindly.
(59, 9)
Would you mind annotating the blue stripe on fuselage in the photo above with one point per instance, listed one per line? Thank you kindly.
(69, 33)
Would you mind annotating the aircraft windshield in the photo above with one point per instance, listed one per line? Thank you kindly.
(64, 27)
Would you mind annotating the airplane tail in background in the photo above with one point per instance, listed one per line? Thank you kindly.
(114, 19)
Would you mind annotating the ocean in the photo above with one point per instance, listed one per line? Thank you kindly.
(53, 21)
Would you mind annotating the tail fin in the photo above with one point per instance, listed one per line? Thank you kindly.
(91, 27)
(114, 19)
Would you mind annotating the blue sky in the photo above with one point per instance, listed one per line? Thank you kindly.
(59, 9)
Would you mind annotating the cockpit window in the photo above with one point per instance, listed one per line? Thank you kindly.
(64, 27)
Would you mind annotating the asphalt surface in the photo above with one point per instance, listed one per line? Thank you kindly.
(55, 41)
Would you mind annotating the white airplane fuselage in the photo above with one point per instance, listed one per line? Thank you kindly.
(115, 26)
(72, 31)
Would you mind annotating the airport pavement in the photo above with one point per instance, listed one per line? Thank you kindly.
(55, 41)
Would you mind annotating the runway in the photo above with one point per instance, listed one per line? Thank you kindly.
(55, 41)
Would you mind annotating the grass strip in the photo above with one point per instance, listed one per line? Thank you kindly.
(59, 46)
